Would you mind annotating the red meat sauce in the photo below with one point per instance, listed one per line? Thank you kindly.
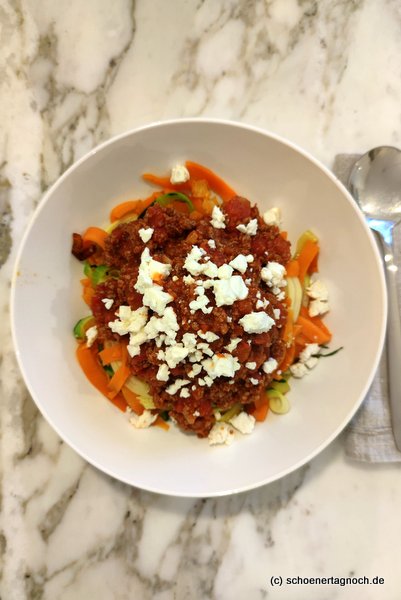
(173, 237)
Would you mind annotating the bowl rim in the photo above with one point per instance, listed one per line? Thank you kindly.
(201, 121)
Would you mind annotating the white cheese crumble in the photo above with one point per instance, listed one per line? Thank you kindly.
(250, 228)
(218, 219)
(317, 290)
(185, 393)
(108, 303)
(192, 264)
(250, 365)
(269, 366)
(312, 362)
(196, 369)
(227, 291)
(212, 244)
(254, 381)
(318, 307)
(221, 365)
(233, 344)
(221, 434)
(91, 335)
(163, 373)
(209, 336)
(256, 322)
(239, 263)
(273, 274)
(132, 322)
(298, 369)
(142, 421)
(157, 299)
(224, 272)
(188, 279)
(145, 234)
(179, 174)
(175, 354)
(151, 270)
(319, 295)
(272, 216)
(309, 351)
(177, 385)
(243, 422)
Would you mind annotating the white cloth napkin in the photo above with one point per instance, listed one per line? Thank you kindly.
(369, 436)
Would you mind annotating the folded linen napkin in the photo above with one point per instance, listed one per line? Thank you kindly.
(369, 437)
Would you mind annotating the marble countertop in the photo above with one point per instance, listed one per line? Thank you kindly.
(326, 75)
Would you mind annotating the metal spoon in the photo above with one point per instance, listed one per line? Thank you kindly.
(375, 183)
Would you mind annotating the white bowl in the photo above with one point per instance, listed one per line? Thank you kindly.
(46, 304)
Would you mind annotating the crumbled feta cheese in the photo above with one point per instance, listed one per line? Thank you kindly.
(189, 341)
(243, 422)
(250, 229)
(227, 291)
(177, 385)
(309, 351)
(192, 259)
(174, 278)
(145, 234)
(108, 303)
(208, 380)
(212, 244)
(196, 413)
(256, 322)
(175, 354)
(221, 365)
(209, 336)
(218, 218)
(250, 365)
(318, 307)
(188, 279)
(224, 272)
(142, 421)
(239, 263)
(254, 381)
(150, 270)
(91, 335)
(179, 174)
(233, 344)
(298, 370)
(132, 322)
(210, 270)
(249, 258)
(312, 362)
(185, 393)
(205, 348)
(166, 325)
(276, 313)
(163, 373)
(260, 304)
(221, 433)
(317, 290)
(273, 274)
(269, 366)
(196, 369)
(272, 216)
(201, 303)
(156, 299)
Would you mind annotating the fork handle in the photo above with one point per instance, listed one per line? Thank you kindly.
(393, 342)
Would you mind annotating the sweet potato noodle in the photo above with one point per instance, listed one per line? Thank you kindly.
(173, 240)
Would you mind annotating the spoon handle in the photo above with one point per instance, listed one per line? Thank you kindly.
(393, 343)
